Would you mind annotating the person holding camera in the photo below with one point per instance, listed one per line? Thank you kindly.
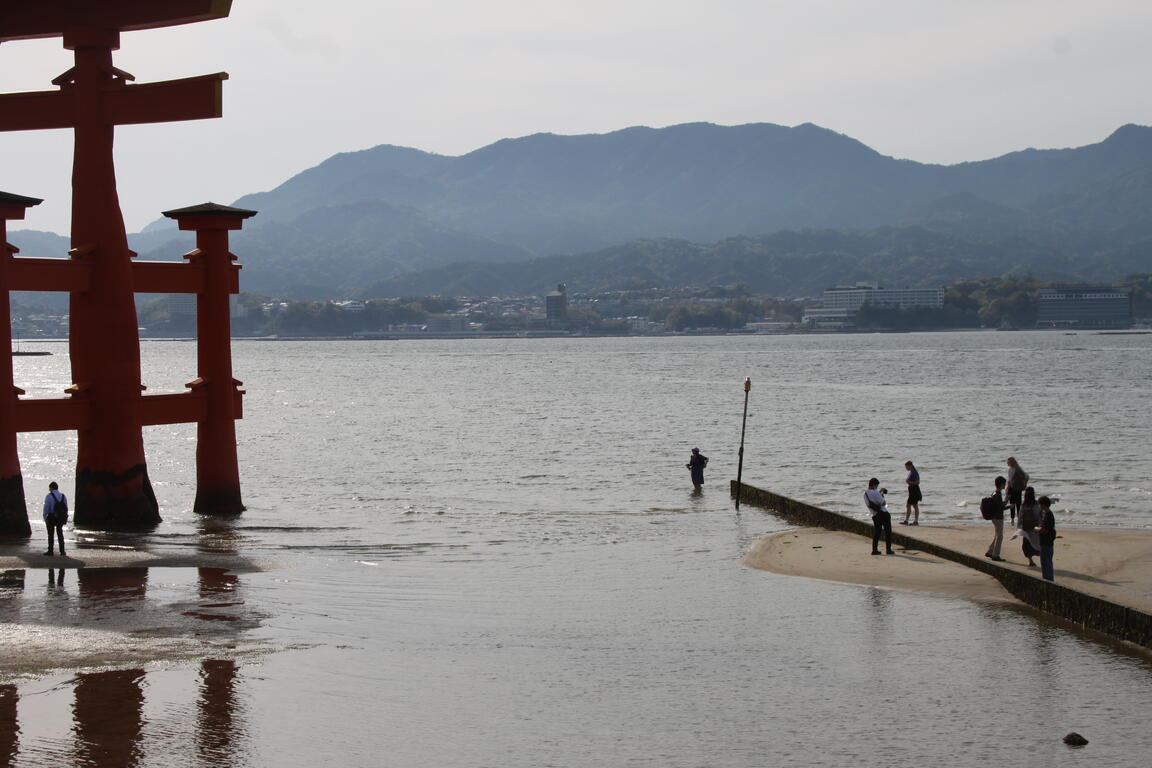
(881, 517)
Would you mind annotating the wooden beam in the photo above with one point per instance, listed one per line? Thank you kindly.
(167, 277)
(51, 414)
(36, 110)
(25, 19)
(189, 98)
(28, 274)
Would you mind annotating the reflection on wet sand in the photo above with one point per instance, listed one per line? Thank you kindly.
(108, 718)
(219, 729)
(9, 729)
(11, 585)
(98, 585)
(101, 718)
(218, 537)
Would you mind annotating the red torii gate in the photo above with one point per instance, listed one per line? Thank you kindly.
(105, 403)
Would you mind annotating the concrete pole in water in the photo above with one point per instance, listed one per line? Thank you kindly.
(743, 425)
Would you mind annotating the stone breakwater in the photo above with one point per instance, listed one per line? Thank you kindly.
(1094, 613)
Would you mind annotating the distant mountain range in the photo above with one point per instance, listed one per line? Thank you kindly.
(786, 210)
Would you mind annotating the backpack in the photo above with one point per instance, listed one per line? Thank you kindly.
(992, 507)
(59, 510)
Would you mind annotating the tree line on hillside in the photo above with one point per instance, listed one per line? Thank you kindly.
(790, 263)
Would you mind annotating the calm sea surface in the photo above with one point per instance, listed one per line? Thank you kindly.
(488, 555)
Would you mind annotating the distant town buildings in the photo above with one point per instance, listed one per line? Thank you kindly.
(638, 311)
(183, 304)
(841, 303)
(1083, 306)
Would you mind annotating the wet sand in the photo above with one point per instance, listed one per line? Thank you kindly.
(32, 556)
(93, 609)
(1112, 564)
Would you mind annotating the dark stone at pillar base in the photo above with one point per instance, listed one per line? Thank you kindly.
(14, 509)
(109, 502)
(218, 502)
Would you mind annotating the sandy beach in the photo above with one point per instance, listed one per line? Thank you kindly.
(31, 555)
(1112, 564)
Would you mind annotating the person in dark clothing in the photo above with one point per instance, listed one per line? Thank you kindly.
(52, 519)
(1029, 519)
(881, 518)
(992, 509)
(696, 466)
(1047, 533)
(1017, 482)
(914, 494)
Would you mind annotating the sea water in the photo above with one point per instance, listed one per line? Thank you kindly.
(487, 553)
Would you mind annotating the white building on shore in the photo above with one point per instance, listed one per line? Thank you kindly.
(843, 302)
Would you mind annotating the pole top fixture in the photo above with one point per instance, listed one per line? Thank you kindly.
(13, 207)
(747, 384)
(209, 217)
(209, 209)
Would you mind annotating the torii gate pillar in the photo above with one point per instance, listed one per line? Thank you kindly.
(112, 485)
(13, 509)
(217, 469)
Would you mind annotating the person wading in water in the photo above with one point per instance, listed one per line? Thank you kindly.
(696, 466)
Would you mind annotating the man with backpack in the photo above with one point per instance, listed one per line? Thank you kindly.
(55, 516)
(992, 508)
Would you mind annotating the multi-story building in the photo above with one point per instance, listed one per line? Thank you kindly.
(843, 302)
(556, 305)
(1083, 306)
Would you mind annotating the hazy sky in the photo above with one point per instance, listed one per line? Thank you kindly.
(939, 81)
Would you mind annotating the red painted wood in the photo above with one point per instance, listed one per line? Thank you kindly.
(50, 18)
(104, 404)
(13, 510)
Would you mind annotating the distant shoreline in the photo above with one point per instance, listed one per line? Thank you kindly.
(430, 335)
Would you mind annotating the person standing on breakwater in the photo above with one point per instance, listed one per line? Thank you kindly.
(1017, 482)
(881, 519)
(696, 466)
(992, 508)
(1029, 519)
(914, 495)
(1047, 533)
(55, 516)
